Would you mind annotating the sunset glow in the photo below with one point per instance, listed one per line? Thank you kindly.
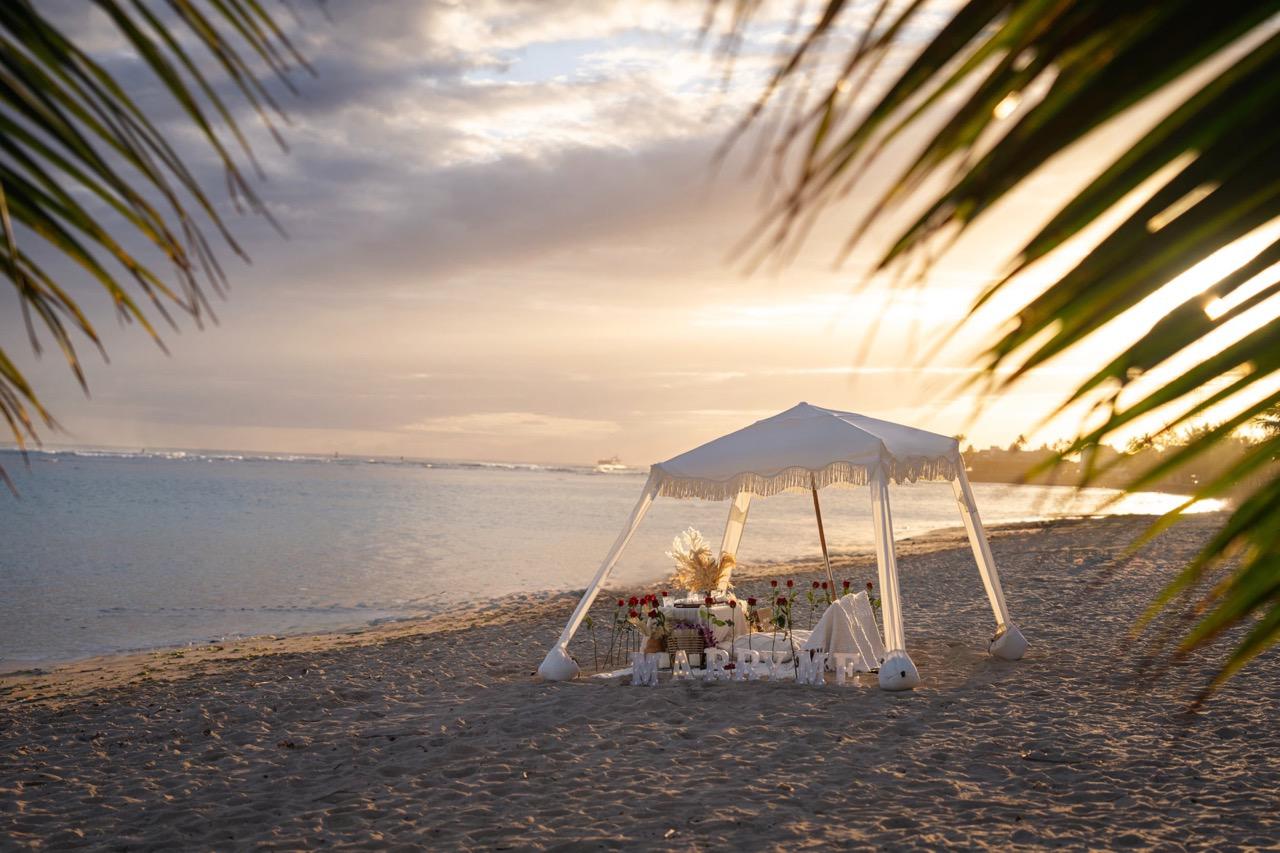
(509, 239)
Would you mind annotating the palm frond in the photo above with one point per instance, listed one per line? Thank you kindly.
(66, 121)
(1007, 85)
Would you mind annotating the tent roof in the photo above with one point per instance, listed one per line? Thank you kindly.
(780, 453)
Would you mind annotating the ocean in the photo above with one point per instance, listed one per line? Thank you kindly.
(109, 551)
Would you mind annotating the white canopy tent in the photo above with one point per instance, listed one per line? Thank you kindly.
(808, 447)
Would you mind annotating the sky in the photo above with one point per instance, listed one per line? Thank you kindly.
(508, 239)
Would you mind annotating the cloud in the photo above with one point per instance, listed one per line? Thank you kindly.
(505, 234)
(438, 135)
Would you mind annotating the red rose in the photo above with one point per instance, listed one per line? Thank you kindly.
(824, 584)
(633, 601)
(751, 602)
(782, 601)
(733, 602)
(868, 584)
(790, 583)
(621, 603)
(653, 614)
(773, 583)
(848, 584)
(634, 615)
(664, 593)
(815, 584)
(708, 601)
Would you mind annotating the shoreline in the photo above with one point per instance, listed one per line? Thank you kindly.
(437, 736)
(60, 680)
(134, 592)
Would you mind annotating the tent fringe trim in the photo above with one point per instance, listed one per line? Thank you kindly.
(764, 485)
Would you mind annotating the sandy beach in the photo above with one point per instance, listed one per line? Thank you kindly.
(434, 734)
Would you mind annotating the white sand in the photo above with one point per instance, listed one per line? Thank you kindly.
(425, 736)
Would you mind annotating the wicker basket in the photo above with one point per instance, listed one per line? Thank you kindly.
(687, 640)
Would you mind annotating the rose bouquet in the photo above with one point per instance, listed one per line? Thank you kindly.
(636, 620)
(653, 625)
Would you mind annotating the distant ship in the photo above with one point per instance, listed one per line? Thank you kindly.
(612, 465)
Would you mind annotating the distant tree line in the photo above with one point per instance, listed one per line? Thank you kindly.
(1110, 467)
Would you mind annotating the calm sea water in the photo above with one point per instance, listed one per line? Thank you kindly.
(106, 552)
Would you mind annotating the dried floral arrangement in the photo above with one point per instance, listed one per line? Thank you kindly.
(696, 569)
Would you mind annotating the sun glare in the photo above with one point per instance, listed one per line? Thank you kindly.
(1179, 207)
(1210, 271)
(1216, 308)
(1007, 105)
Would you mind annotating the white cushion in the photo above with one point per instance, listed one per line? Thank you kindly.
(849, 628)
(765, 642)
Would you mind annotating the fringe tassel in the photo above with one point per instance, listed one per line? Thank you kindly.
(789, 479)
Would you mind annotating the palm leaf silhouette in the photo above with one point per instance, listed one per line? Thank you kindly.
(1003, 86)
(66, 122)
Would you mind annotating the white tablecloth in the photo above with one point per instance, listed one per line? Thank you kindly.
(734, 616)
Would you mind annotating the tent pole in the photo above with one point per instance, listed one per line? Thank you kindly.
(822, 536)
(1008, 643)
(559, 665)
(897, 671)
(733, 528)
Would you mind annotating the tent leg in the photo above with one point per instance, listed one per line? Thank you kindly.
(1008, 642)
(734, 525)
(559, 665)
(897, 671)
